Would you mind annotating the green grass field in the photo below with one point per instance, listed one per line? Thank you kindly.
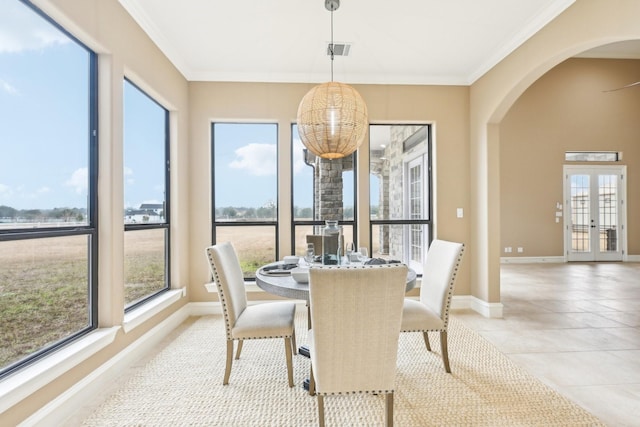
(44, 292)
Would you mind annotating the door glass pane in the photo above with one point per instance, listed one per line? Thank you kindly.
(608, 212)
(415, 211)
(580, 213)
(388, 241)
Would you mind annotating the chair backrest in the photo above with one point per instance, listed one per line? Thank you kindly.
(229, 279)
(439, 276)
(356, 314)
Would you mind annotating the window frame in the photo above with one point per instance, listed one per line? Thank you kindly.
(271, 223)
(428, 163)
(90, 229)
(166, 225)
(321, 223)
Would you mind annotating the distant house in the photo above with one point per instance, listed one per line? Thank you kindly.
(147, 212)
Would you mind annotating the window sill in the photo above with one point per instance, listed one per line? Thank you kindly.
(16, 387)
(143, 313)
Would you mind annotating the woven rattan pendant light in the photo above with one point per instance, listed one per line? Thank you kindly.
(332, 117)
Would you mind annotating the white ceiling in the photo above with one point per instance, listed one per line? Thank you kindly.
(451, 42)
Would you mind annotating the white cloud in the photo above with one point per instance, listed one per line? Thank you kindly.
(43, 190)
(79, 180)
(128, 175)
(21, 29)
(256, 159)
(7, 87)
(298, 158)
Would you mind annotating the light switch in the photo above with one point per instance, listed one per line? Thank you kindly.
(459, 213)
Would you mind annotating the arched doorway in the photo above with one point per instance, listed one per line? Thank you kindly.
(581, 27)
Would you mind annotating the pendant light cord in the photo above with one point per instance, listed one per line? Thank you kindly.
(331, 46)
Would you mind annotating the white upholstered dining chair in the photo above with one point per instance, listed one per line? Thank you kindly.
(431, 312)
(355, 318)
(243, 321)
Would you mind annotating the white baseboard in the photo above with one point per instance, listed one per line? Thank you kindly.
(532, 259)
(461, 302)
(204, 308)
(491, 310)
(552, 259)
(486, 309)
(65, 405)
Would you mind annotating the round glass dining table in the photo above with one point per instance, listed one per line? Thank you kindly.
(283, 284)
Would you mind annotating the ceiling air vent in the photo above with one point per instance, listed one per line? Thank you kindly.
(339, 49)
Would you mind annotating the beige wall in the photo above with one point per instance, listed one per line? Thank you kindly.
(124, 50)
(584, 25)
(446, 107)
(467, 140)
(565, 110)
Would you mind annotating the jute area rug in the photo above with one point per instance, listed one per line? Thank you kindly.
(181, 385)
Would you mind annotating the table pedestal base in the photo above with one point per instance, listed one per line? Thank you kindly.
(303, 350)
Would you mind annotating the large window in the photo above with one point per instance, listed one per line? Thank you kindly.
(48, 174)
(322, 190)
(146, 195)
(400, 193)
(245, 191)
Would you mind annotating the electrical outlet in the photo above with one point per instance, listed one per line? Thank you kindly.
(507, 249)
(520, 250)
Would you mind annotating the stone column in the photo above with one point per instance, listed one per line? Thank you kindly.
(328, 191)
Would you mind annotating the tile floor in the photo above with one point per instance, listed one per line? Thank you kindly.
(575, 326)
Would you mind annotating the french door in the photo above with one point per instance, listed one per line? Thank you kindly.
(416, 238)
(595, 213)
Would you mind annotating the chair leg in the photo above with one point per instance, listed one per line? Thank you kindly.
(321, 410)
(445, 352)
(312, 383)
(287, 349)
(227, 370)
(240, 342)
(388, 415)
(425, 335)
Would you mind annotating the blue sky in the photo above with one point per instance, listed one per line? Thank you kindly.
(246, 154)
(43, 144)
(45, 136)
(144, 148)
